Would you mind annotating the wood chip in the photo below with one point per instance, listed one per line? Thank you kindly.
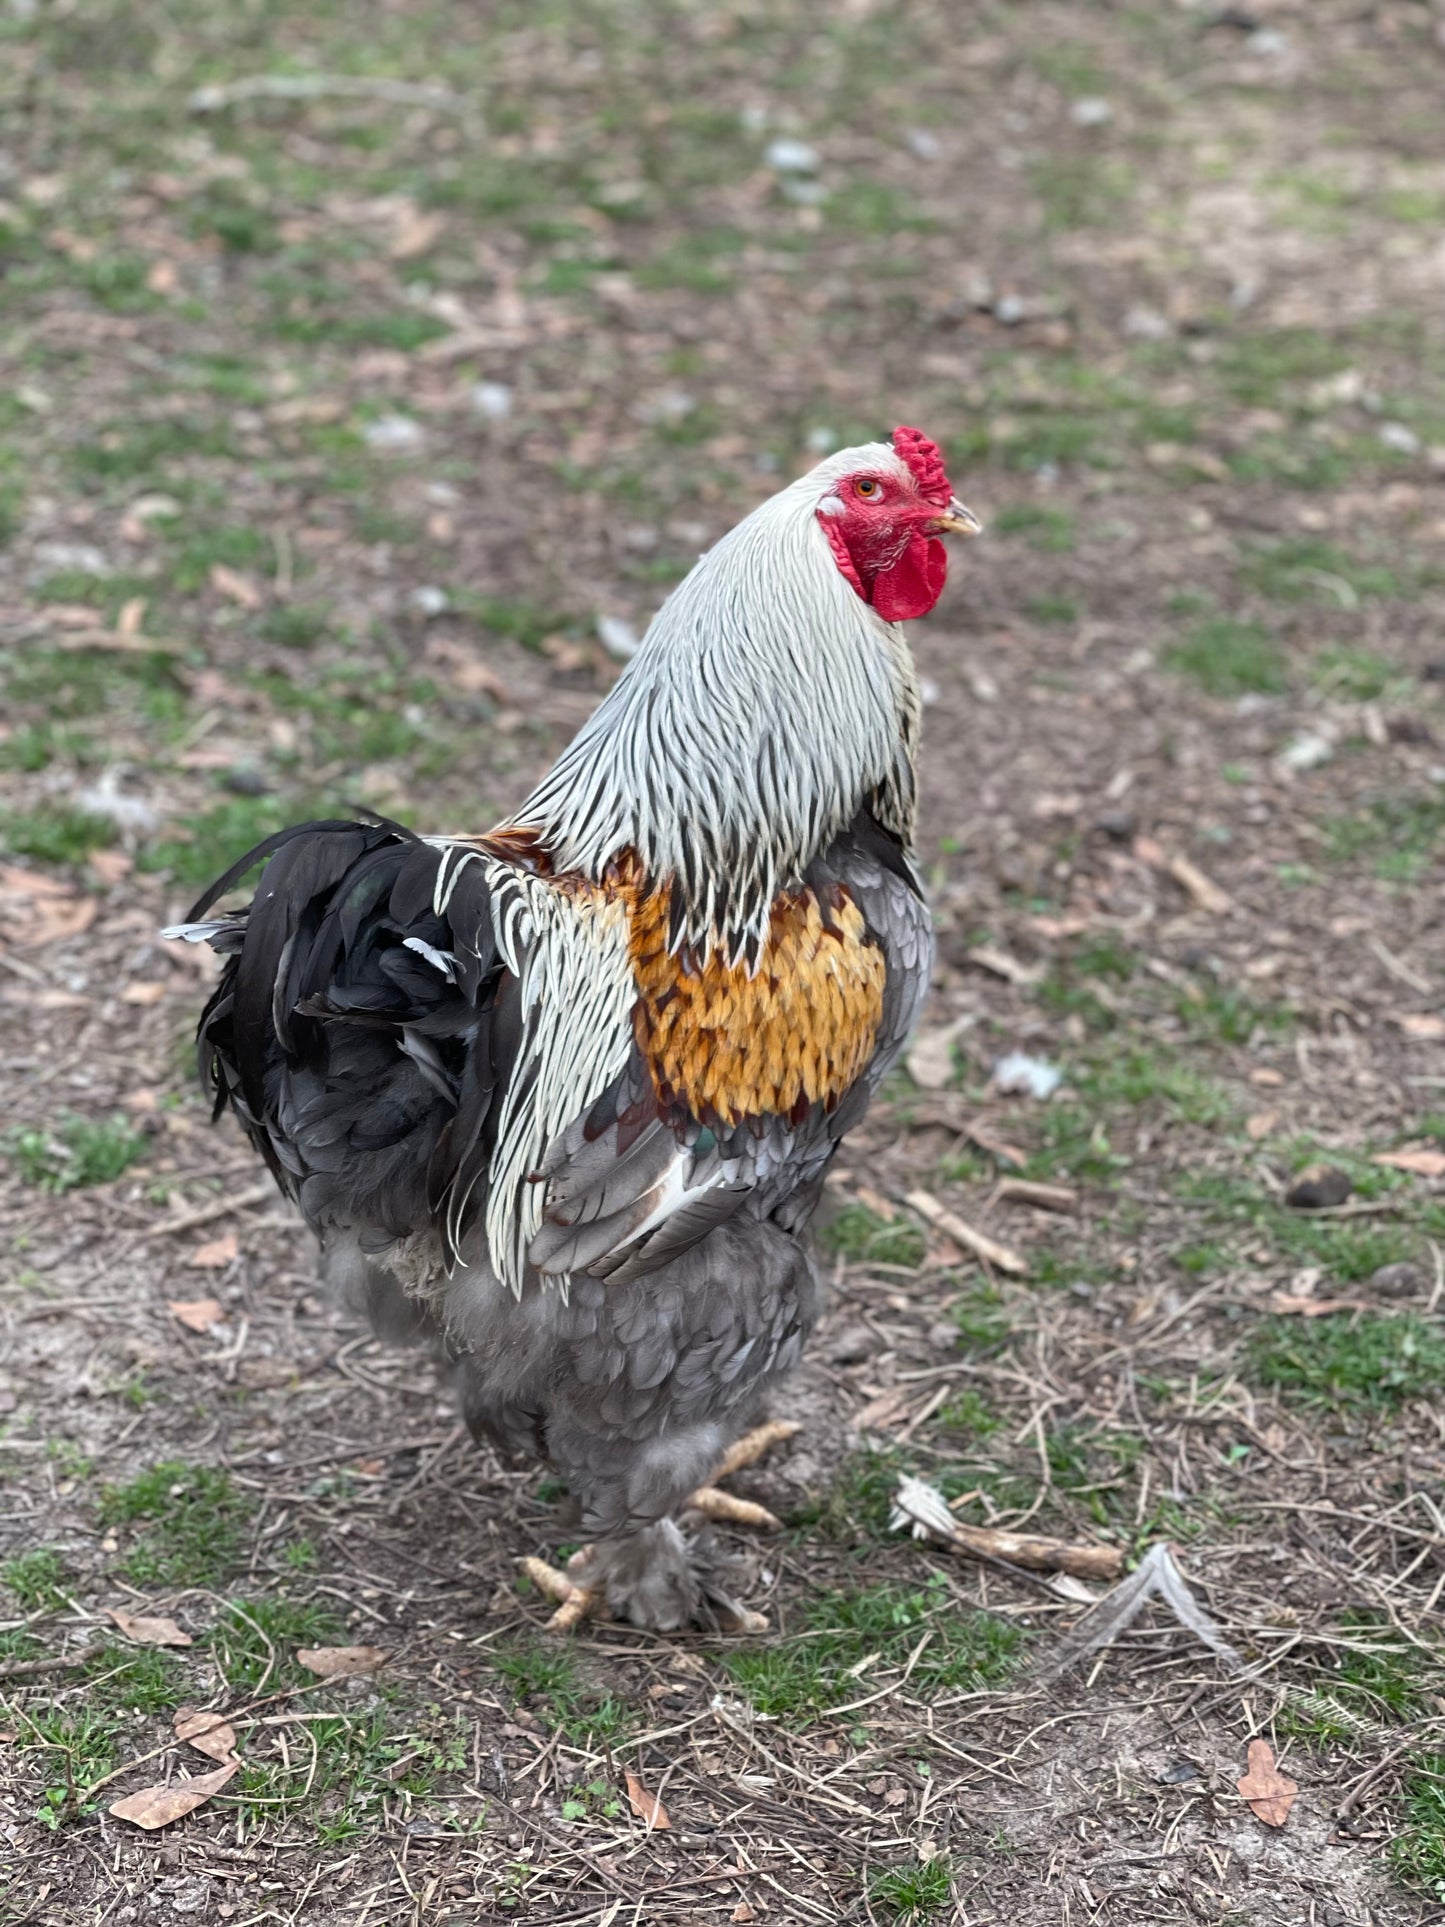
(1422, 1023)
(158, 1806)
(978, 1242)
(1269, 1792)
(148, 1630)
(341, 1662)
(1205, 892)
(144, 994)
(1043, 1197)
(998, 963)
(235, 587)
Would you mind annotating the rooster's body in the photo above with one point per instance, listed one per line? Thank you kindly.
(565, 1094)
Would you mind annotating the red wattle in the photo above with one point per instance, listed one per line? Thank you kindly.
(915, 581)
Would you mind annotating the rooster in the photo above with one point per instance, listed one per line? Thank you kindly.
(563, 1095)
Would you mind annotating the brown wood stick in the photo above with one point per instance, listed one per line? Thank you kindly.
(1038, 1555)
(978, 1242)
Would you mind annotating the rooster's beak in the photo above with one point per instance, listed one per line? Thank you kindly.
(956, 520)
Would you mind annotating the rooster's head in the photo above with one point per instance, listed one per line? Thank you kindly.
(883, 521)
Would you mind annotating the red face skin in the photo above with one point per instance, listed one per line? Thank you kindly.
(881, 544)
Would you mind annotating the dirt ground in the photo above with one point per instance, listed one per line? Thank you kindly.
(346, 434)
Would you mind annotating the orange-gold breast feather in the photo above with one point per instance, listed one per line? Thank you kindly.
(728, 1043)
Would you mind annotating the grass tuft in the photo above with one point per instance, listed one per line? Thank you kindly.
(79, 1151)
(1368, 1362)
(190, 1523)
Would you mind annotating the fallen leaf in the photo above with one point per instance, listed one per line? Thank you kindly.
(30, 883)
(1260, 1125)
(110, 866)
(216, 1255)
(209, 1733)
(148, 1631)
(930, 1061)
(894, 1797)
(743, 1913)
(415, 234)
(1266, 1078)
(1424, 1164)
(197, 1314)
(646, 1805)
(235, 587)
(143, 993)
(1269, 1792)
(340, 1662)
(158, 1806)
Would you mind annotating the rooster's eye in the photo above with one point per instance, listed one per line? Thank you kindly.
(867, 488)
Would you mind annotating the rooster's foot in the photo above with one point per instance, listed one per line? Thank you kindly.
(716, 1504)
(574, 1602)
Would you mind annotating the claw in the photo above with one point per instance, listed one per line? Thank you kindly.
(574, 1603)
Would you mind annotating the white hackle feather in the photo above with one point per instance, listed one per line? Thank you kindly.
(767, 703)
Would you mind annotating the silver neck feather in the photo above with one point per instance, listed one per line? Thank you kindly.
(765, 707)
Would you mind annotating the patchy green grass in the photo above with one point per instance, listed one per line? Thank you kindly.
(910, 1895)
(546, 1676)
(61, 834)
(255, 1640)
(1362, 1361)
(1401, 835)
(1302, 568)
(1048, 530)
(213, 841)
(860, 1234)
(356, 1765)
(130, 1679)
(1230, 658)
(36, 1577)
(1375, 1679)
(800, 1676)
(1417, 1853)
(187, 1524)
(75, 1152)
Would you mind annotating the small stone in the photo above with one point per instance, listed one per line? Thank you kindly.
(429, 600)
(792, 157)
(1091, 112)
(1402, 439)
(1400, 1280)
(925, 145)
(1305, 753)
(1147, 324)
(393, 434)
(242, 781)
(942, 1336)
(821, 441)
(492, 400)
(1176, 1773)
(1318, 1188)
(61, 557)
(1120, 825)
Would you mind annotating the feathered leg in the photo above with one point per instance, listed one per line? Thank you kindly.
(652, 1574)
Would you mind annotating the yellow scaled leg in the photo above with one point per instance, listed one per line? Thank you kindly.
(716, 1504)
(574, 1602)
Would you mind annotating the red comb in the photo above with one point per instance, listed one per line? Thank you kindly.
(923, 457)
